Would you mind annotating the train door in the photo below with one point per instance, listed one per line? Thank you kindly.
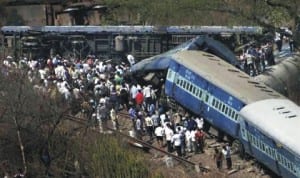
(171, 80)
(244, 144)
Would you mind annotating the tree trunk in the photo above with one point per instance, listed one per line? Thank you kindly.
(21, 145)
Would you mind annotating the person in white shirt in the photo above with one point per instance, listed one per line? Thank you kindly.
(176, 140)
(193, 140)
(188, 140)
(199, 122)
(133, 92)
(147, 95)
(159, 133)
(169, 134)
(227, 154)
(130, 59)
(149, 125)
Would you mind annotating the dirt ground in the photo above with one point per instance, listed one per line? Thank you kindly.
(240, 168)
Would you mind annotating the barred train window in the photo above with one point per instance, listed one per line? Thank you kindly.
(184, 83)
(200, 94)
(194, 90)
(187, 85)
(220, 106)
(197, 91)
(213, 102)
(217, 104)
(177, 82)
(206, 99)
(236, 117)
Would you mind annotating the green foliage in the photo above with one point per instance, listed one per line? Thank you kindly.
(110, 159)
(202, 12)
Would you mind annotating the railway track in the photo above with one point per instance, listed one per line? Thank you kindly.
(137, 142)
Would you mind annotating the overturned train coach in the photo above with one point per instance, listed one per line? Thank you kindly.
(113, 41)
(264, 122)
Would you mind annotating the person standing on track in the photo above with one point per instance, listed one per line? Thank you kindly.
(159, 133)
(218, 157)
(227, 154)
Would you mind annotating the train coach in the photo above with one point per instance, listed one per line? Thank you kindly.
(227, 97)
(208, 86)
(269, 131)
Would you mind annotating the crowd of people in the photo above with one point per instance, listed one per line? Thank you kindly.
(99, 89)
(102, 88)
(254, 59)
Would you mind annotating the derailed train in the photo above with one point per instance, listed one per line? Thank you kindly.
(263, 121)
(113, 41)
(284, 77)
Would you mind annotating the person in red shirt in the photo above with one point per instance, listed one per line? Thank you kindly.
(200, 136)
(139, 98)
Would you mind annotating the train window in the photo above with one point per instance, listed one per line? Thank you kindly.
(213, 102)
(293, 167)
(256, 142)
(187, 85)
(270, 152)
(253, 140)
(217, 104)
(177, 82)
(197, 91)
(184, 83)
(284, 161)
(229, 112)
(220, 106)
(263, 147)
(206, 98)
(273, 153)
(236, 117)
(194, 90)
(250, 138)
(226, 110)
(200, 94)
(278, 157)
(181, 83)
(232, 114)
(191, 88)
(223, 108)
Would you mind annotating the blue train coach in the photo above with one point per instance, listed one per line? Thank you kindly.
(208, 86)
(270, 133)
(263, 121)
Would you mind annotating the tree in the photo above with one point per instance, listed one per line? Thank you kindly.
(30, 121)
(267, 13)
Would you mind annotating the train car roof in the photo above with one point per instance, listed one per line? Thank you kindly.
(135, 29)
(283, 77)
(161, 61)
(278, 119)
(225, 76)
